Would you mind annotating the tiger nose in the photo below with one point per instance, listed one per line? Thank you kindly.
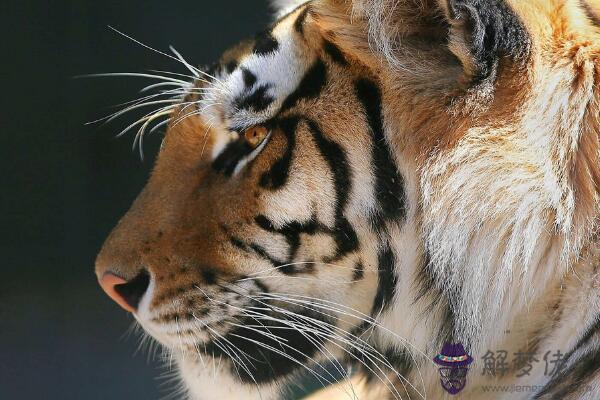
(127, 294)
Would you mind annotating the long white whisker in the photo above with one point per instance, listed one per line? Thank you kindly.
(210, 123)
(285, 355)
(237, 357)
(193, 69)
(198, 112)
(134, 74)
(278, 267)
(214, 85)
(328, 336)
(140, 134)
(241, 352)
(135, 107)
(280, 298)
(378, 356)
(364, 318)
(319, 345)
(254, 314)
(218, 337)
(180, 57)
(313, 321)
(161, 84)
(158, 126)
(357, 314)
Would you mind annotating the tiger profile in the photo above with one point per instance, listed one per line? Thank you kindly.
(366, 181)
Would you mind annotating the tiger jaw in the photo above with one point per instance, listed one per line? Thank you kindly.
(258, 341)
(239, 319)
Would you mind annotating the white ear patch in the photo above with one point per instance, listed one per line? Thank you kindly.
(283, 7)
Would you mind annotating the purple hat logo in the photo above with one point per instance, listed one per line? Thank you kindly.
(454, 365)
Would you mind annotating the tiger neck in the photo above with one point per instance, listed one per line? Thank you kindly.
(483, 262)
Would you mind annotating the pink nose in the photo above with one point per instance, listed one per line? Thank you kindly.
(127, 294)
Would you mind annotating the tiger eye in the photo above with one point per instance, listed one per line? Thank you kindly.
(255, 135)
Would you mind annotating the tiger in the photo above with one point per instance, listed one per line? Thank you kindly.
(366, 181)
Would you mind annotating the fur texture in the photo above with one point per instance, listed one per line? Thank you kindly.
(431, 174)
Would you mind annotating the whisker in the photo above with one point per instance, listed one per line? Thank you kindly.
(211, 123)
(280, 341)
(338, 337)
(278, 267)
(246, 356)
(158, 126)
(365, 349)
(198, 112)
(328, 336)
(285, 355)
(194, 70)
(369, 320)
(133, 74)
(160, 84)
(140, 134)
(138, 106)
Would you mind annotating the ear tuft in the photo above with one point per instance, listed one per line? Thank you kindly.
(283, 7)
(483, 31)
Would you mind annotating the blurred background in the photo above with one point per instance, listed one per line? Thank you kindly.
(65, 185)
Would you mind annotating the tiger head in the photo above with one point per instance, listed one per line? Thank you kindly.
(354, 185)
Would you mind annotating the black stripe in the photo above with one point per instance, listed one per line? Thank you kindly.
(310, 86)
(229, 158)
(572, 378)
(265, 43)
(280, 264)
(249, 77)
(258, 100)
(575, 379)
(230, 66)
(266, 364)
(591, 14)
(437, 299)
(209, 275)
(292, 232)
(299, 23)
(261, 252)
(400, 360)
(343, 232)
(593, 329)
(359, 271)
(277, 175)
(388, 280)
(389, 186)
(335, 53)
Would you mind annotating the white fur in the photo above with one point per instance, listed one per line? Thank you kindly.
(212, 378)
(281, 70)
(283, 7)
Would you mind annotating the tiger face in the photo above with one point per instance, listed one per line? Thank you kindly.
(263, 198)
(299, 209)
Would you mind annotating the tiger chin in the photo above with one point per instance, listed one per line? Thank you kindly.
(369, 180)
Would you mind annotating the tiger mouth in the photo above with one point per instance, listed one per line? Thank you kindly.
(261, 339)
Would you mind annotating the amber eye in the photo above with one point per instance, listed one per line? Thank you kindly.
(255, 135)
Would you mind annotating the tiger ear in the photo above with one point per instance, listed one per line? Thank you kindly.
(477, 32)
(482, 32)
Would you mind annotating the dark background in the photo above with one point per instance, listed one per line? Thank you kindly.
(64, 185)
